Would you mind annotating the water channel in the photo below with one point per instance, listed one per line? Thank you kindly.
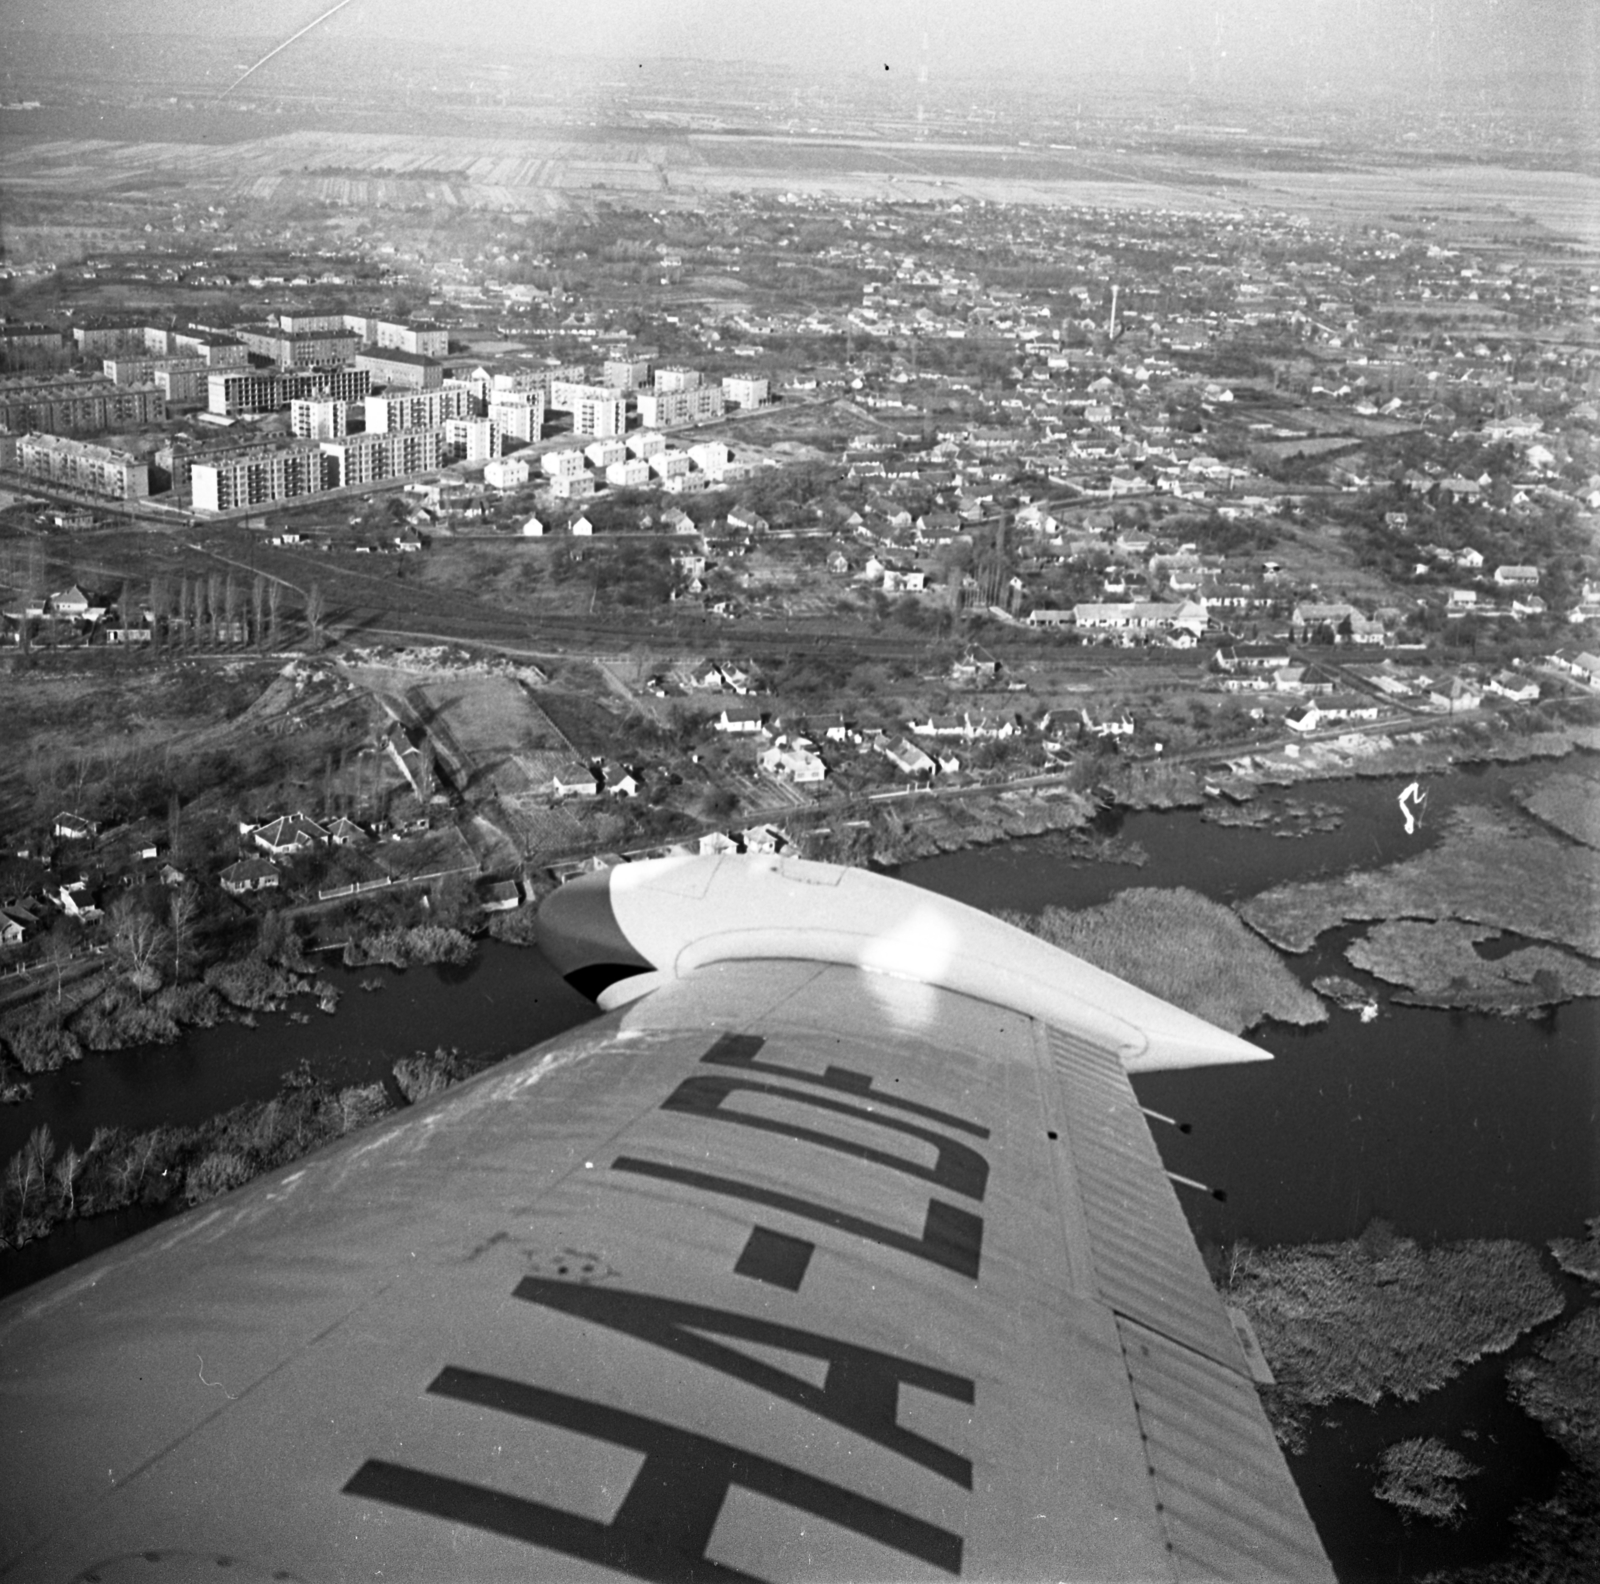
(1450, 1125)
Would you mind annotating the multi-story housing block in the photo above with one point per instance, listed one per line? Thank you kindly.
(318, 418)
(76, 405)
(677, 378)
(562, 464)
(182, 380)
(101, 340)
(602, 453)
(266, 390)
(745, 390)
(422, 337)
(520, 416)
(76, 464)
(293, 323)
(365, 459)
(471, 439)
(391, 366)
(219, 351)
(596, 409)
(300, 349)
(646, 443)
(255, 475)
(506, 473)
(626, 373)
(631, 474)
(672, 409)
(390, 411)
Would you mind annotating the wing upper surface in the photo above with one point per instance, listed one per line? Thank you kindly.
(786, 1270)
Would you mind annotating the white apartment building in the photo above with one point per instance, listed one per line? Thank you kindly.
(596, 409)
(366, 458)
(710, 456)
(318, 418)
(562, 464)
(626, 373)
(646, 443)
(602, 453)
(670, 464)
(672, 409)
(506, 473)
(259, 474)
(95, 469)
(472, 439)
(677, 378)
(576, 487)
(632, 474)
(520, 415)
(745, 390)
(414, 409)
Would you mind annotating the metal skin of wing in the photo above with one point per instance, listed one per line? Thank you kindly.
(838, 1248)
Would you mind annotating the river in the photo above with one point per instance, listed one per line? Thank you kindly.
(1449, 1125)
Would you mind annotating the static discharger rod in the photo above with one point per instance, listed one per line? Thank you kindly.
(1159, 1116)
(1189, 1182)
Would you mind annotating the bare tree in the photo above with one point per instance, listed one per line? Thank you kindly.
(186, 610)
(274, 606)
(160, 608)
(316, 614)
(138, 942)
(56, 950)
(230, 603)
(214, 594)
(258, 600)
(182, 910)
(66, 1173)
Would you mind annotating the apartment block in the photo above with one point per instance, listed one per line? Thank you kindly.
(677, 378)
(255, 475)
(318, 418)
(76, 464)
(266, 390)
(670, 464)
(389, 411)
(632, 474)
(291, 349)
(506, 473)
(520, 416)
(76, 405)
(745, 390)
(391, 366)
(422, 337)
(471, 439)
(602, 453)
(646, 443)
(626, 373)
(596, 409)
(218, 351)
(673, 408)
(562, 464)
(365, 459)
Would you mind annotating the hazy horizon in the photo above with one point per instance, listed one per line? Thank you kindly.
(1234, 47)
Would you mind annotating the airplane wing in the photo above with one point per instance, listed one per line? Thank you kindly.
(838, 1249)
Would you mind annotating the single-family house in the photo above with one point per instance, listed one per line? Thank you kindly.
(907, 758)
(740, 720)
(574, 780)
(74, 827)
(288, 835)
(249, 874)
(1522, 577)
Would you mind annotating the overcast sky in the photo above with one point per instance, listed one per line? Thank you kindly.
(1250, 43)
